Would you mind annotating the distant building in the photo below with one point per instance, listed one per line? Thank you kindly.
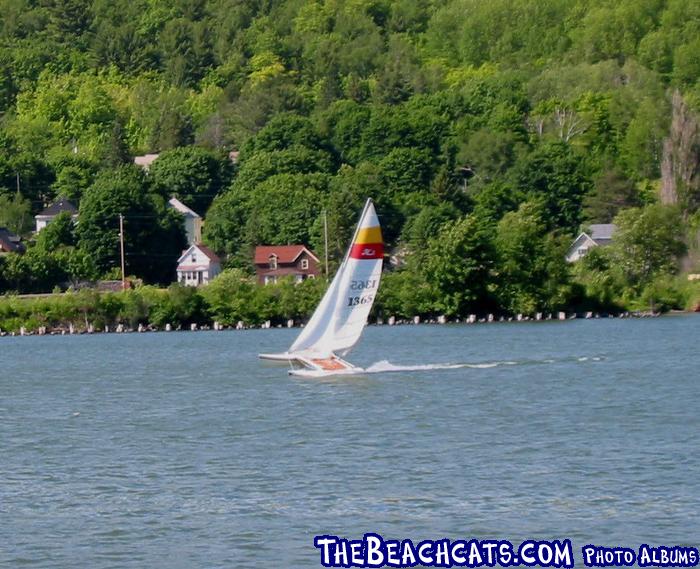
(197, 266)
(598, 235)
(9, 242)
(275, 261)
(49, 213)
(193, 221)
(145, 161)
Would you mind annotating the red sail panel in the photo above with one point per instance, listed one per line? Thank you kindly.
(367, 251)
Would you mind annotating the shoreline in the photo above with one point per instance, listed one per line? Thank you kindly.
(72, 330)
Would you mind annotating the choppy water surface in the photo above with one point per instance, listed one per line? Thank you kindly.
(183, 450)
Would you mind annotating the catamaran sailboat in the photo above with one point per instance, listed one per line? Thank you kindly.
(337, 323)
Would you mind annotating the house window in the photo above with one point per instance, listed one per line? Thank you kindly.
(304, 264)
(273, 262)
(270, 279)
(582, 251)
(298, 278)
(194, 259)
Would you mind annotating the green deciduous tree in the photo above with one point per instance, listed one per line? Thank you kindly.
(531, 271)
(296, 159)
(284, 131)
(612, 192)
(231, 297)
(286, 209)
(15, 213)
(458, 264)
(153, 235)
(192, 174)
(59, 233)
(648, 243)
(406, 293)
(557, 176)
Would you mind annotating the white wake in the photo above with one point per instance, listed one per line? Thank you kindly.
(386, 366)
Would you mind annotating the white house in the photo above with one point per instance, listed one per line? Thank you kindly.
(193, 221)
(599, 235)
(145, 161)
(197, 266)
(49, 213)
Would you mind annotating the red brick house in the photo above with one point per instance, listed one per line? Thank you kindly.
(273, 262)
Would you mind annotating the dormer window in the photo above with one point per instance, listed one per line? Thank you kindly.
(273, 261)
(304, 264)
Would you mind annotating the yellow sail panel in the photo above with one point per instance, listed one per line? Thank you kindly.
(369, 235)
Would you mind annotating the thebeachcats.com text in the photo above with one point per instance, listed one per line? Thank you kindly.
(375, 551)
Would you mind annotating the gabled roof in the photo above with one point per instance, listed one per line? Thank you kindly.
(602, 231)
(181, 207)
(284, 253)
(59, 206)
(213, 257)
(580, 240)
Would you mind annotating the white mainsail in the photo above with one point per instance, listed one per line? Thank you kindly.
(339, 319)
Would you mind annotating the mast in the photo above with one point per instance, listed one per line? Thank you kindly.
(325, 241)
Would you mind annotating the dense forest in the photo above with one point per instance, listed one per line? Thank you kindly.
(488, 133)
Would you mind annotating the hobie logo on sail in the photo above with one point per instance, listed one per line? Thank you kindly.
(367, 251)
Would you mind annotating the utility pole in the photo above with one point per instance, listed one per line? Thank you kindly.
(325, 240)
(121, 246)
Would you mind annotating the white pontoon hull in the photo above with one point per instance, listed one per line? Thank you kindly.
(312, 365)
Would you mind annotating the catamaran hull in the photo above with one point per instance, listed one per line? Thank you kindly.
(315, 373)
(279, 358)
(307, 365)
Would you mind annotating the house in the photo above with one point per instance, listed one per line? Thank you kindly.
(197, 266)
(275, 261)
(9, 242)
(193, 221)
(145, 161)
(49, 213)
(598, 235)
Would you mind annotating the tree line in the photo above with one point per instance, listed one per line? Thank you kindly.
(488, 141)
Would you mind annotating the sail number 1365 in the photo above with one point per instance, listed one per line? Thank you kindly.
(363, 285)
(358, 300)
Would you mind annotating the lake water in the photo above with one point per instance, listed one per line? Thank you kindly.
(182, 450)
